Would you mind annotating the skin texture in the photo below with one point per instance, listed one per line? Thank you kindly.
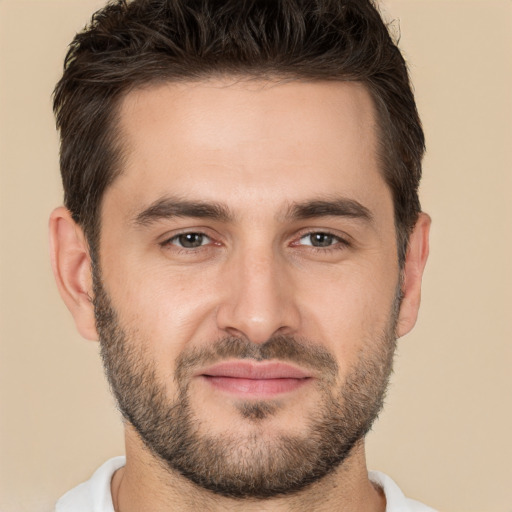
(257, 149)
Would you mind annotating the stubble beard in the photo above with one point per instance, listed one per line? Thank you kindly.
(253, 466)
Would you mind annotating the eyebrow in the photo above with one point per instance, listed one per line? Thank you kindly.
(169, 207)
(335, 207)
(172, 207)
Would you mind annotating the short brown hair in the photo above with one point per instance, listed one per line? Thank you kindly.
(129, 44)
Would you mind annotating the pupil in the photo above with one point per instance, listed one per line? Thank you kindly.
(191, 240)
(321, 240)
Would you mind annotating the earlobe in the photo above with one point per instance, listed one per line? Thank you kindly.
(71, 266)
(412, 273)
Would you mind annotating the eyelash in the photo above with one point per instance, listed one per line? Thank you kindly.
(339, 242)
(169, 242)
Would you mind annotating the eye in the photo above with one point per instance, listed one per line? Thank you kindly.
(320, 239)
(190, 240)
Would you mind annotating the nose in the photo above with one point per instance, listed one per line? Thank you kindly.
(258, 302)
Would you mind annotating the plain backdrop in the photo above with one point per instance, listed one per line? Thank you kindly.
(445, 433)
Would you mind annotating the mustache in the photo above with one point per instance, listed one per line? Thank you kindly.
(283, 348)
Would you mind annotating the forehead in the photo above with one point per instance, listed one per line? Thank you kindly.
(220, 139)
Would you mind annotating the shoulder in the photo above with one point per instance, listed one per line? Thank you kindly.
(93, 495)
(395, 499)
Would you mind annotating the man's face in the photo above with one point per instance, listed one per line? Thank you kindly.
(248, 295)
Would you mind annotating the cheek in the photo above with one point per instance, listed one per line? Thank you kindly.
(348, 310)
(166, 309)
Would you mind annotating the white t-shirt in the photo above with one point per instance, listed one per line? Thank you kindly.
(94, 495)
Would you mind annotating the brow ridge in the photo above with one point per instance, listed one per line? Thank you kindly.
(171, 207)
(336, 207)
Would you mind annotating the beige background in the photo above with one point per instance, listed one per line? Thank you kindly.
(445, 433)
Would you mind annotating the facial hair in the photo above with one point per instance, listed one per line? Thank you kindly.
(244, 465)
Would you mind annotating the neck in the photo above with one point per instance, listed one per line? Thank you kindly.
(147, 485)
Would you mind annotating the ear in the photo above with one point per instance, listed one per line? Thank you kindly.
(71, 266)
(415, 261)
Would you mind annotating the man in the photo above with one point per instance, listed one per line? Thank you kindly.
(242, 233)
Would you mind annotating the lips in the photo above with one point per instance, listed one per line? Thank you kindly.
(253, 379)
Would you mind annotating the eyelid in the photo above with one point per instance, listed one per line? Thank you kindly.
(342, 238)
(168, 238)
(176, 238)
